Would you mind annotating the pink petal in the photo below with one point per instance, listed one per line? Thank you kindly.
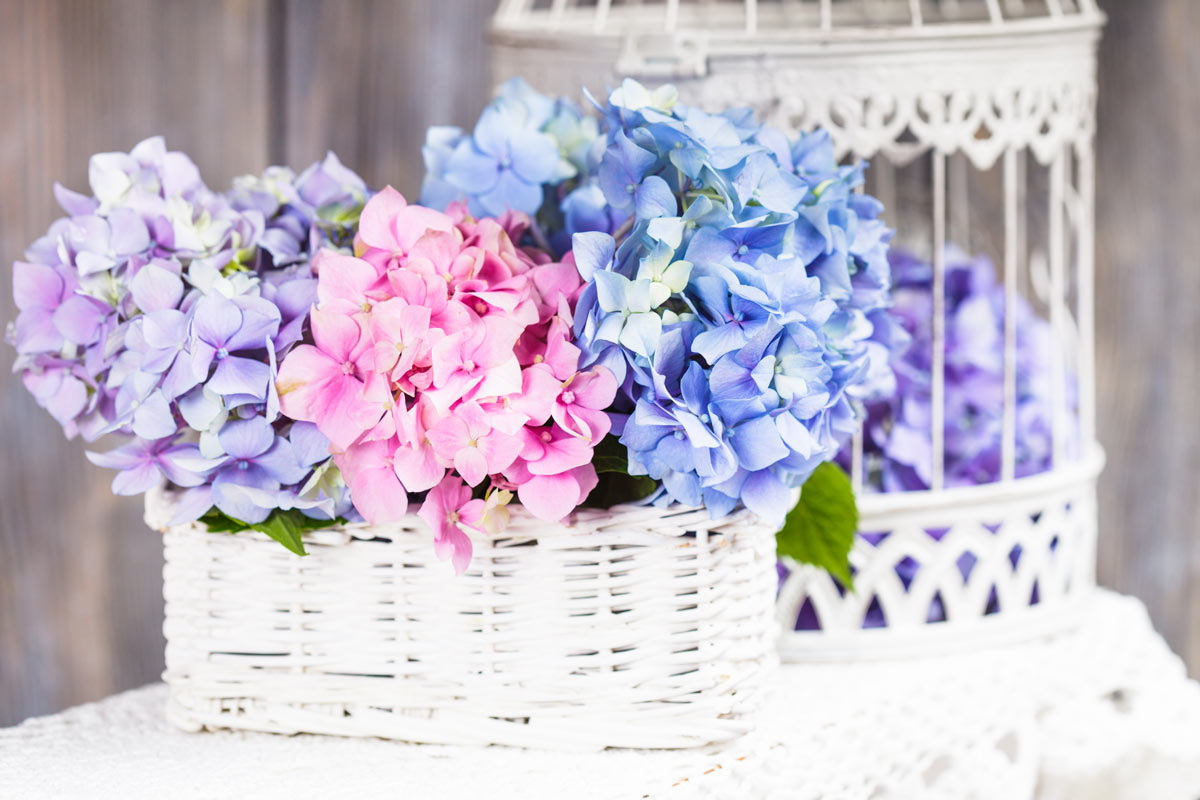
(375, 223)
(500, 450)
(344, 415)
(455, 545)
(378, 495)
(596, 388)
(447, 436)
(344, 278)
(417, 468)
(550, 497)
(539, 388)
(336, 335)
(496, 341)
(471, 465)
(562, 454)
(302, 378)
(501, 380)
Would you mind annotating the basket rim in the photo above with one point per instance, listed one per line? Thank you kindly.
(523, 526)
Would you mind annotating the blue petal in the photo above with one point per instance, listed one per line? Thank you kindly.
(471, 171)
(758, 444)
(767, 496)
(593, 253)
(655, 199)
(246, 438)
(511, 192)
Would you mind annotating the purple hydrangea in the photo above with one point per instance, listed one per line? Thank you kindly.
(898, 454)
(158, 309)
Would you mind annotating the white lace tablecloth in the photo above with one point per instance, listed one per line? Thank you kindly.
(1106, 712)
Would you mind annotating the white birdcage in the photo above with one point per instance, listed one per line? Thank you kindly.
(978, 119)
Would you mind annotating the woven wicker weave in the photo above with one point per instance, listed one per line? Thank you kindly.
(635, 627)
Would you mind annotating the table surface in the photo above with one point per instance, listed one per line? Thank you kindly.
(1102, 713)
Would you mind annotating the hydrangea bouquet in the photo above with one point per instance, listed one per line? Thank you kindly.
(651, 303)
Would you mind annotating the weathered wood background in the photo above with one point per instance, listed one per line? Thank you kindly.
(242, 83)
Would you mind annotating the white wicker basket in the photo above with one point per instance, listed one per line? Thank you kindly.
(635, 627)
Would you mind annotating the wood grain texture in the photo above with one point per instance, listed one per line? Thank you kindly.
(241, 83)
(236, 84)
(1148, 311)
(365, 78)
(80, 585)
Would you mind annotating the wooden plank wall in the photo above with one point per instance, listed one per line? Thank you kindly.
(1148, 311)
(237, 84)
(242, 83)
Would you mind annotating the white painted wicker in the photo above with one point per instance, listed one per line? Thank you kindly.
(978, 117)
(635, 627)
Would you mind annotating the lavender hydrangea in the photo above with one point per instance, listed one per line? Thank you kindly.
(157, 310)
(898, 451)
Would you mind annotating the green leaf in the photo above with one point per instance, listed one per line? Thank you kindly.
(218, 522)
(820, 530)
(616, 485)
(285, 529)
(611, 456)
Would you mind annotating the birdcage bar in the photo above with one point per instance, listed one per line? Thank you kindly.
(914, 8)
(937, 414)
(1008, 444)
(1087, 298)
(1058, 308)
(959, 207)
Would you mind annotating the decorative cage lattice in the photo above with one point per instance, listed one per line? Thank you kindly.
(978, 118)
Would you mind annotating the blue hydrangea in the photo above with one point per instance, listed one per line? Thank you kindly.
(522, 143)
(736, 312)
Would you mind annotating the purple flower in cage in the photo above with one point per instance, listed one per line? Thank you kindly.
(898, 441)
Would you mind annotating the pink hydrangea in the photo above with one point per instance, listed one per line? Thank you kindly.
(442, 362)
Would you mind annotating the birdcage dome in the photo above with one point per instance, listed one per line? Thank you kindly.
(882, 76)
(725, 23)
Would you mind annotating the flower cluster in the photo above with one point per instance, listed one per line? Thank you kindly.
(736, 312)
(156, 310)
(442, 363)
(897, 444)
(522, 144)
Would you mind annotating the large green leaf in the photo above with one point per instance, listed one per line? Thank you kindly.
(820, 530)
